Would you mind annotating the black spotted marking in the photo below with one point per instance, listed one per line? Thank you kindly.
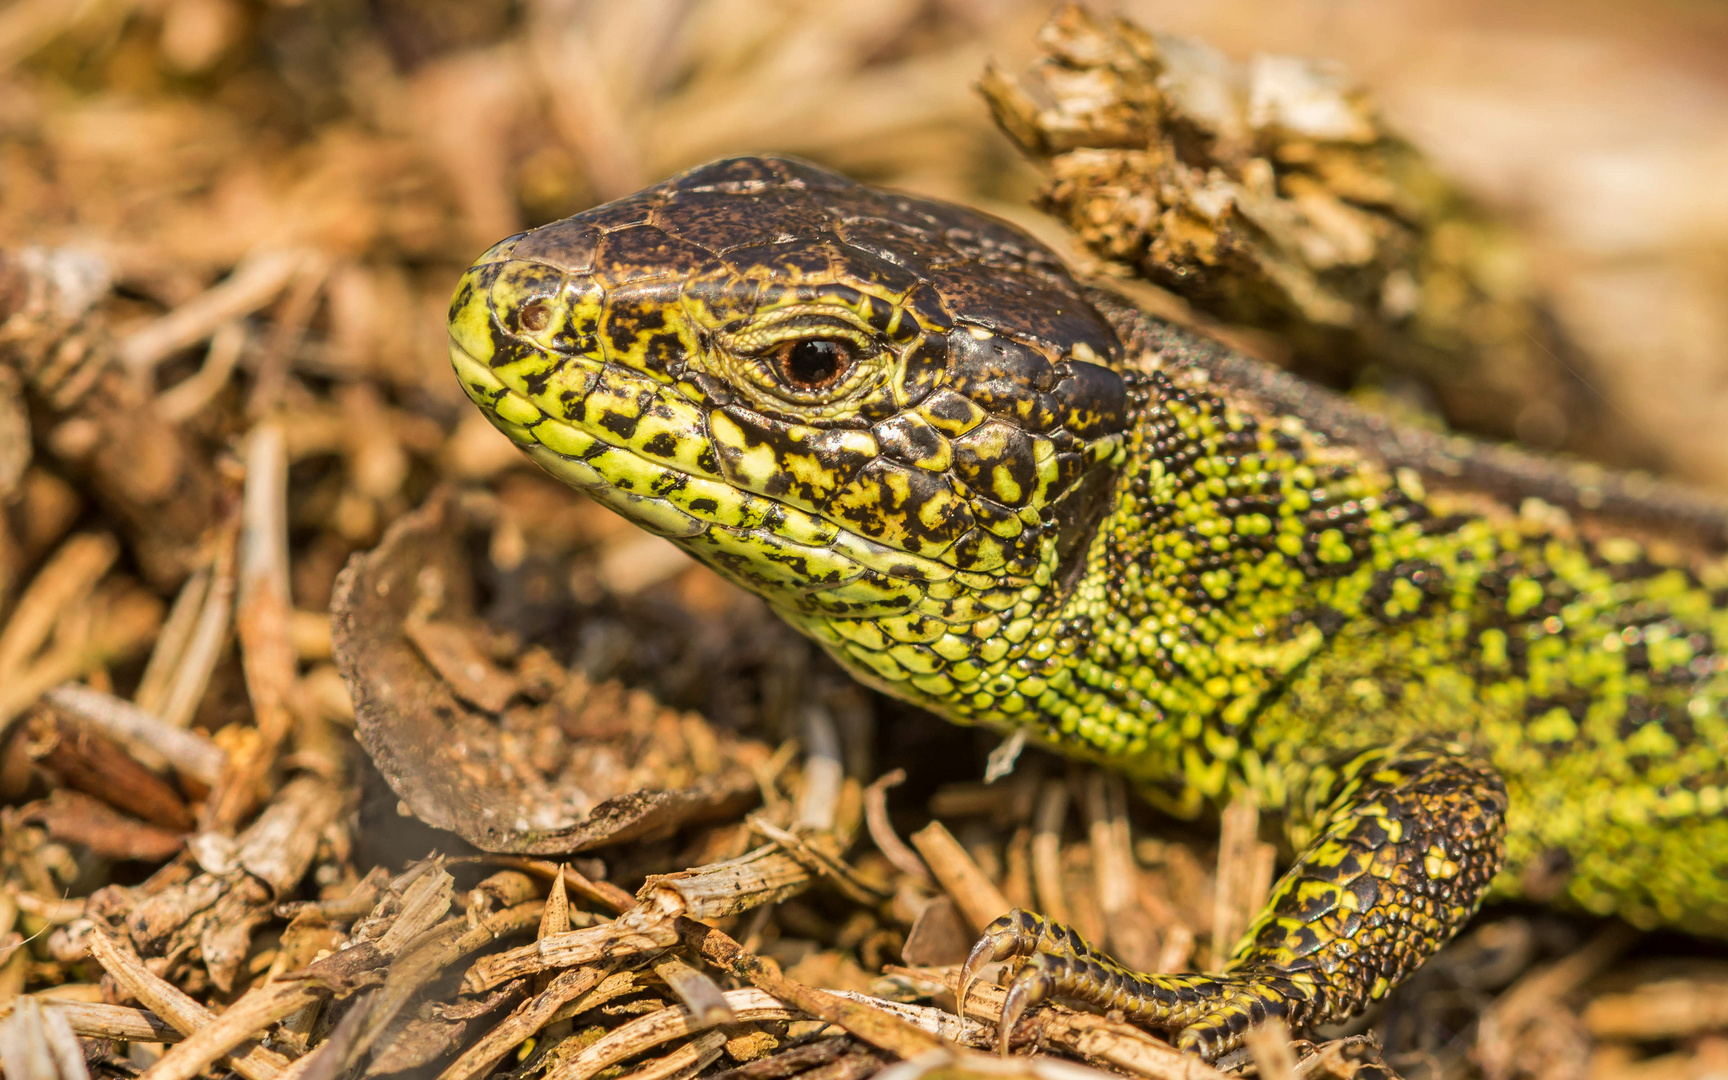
(878, 313)
(643, 252)
(844, 295)
(889, 503)
(837, 462)
(998, 373)
(922, 310)
(909, 438)
(926, 365)
(1091, 401)
(951, 414)
(995, 460)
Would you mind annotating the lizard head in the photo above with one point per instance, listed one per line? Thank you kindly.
(860, 404)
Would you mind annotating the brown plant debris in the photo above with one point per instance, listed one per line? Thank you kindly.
(337, 742)
(1271, 195)
(433, 712)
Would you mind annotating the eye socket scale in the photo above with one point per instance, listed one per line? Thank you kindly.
(811, 365)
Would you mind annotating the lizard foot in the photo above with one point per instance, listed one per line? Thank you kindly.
(1207, 1013)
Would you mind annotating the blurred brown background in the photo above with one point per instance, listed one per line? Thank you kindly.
(395, 138)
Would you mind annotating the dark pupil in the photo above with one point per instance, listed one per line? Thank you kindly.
(812, 365)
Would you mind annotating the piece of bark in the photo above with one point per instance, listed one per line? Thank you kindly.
(87, 761)
(446, 760)
(938, 936)
(75, 818)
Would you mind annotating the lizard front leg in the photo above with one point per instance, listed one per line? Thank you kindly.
(1404, 845)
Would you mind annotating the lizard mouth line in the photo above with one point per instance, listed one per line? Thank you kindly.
(675, 502)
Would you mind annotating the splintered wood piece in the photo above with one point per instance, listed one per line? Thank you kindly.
(95, 1020)
(871, 1025)
(39, 1044)
(698, 993)
(524, 1022)
(645, 1032)
(185, 1015)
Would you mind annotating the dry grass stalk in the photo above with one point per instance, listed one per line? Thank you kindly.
(882, 832)
(1665, 1009)
(1269, 1045)
(246, 1057)
(1047, 850)
(254, 283)
(187, 670)
(1131, 936)
(261, 621)
(979, 900)
(62, 584)
(1534, 1001)
(187, 398)
(256, 1010)
(1244, 877)
(94, 1020)
(40, 1044)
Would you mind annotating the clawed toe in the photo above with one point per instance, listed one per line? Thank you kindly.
(1208, 1013)
(1012, 935)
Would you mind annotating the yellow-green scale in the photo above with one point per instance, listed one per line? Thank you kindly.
(1206, 646)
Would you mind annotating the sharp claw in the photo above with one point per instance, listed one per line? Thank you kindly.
(982, 953)
(1020, 998)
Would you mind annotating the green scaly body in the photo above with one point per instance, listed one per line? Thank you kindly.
(1019, 503)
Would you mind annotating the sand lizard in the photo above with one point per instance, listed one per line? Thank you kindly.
(1019, 502)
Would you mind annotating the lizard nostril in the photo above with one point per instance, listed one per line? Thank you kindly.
(536, 316)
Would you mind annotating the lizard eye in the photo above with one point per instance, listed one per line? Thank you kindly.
(813, 363)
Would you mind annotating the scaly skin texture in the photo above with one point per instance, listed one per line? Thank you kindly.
(1019, 503)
